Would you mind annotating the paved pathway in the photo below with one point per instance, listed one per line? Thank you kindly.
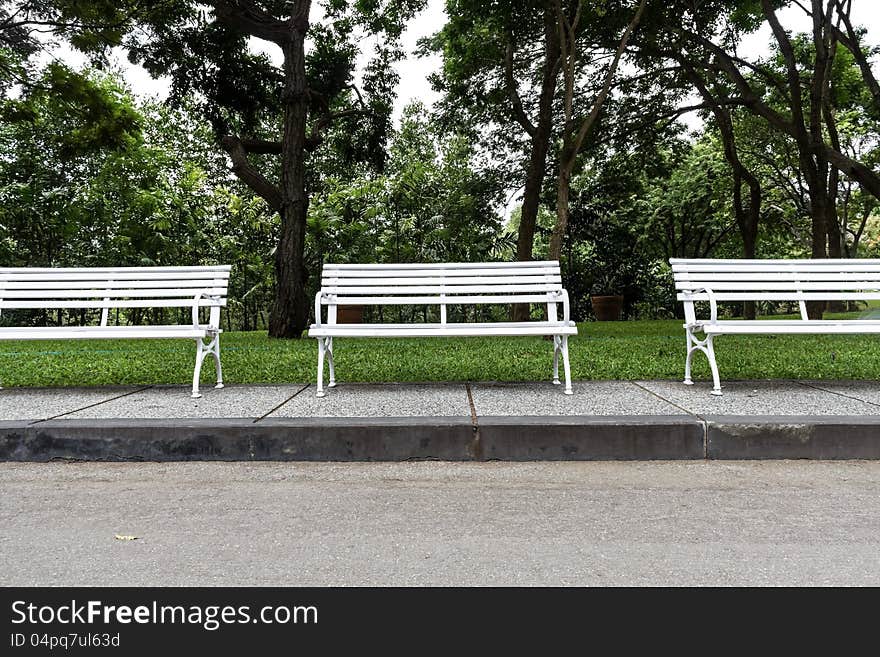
(591, 398)
(613, 523)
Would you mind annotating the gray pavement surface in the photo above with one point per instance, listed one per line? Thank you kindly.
(295, 400)
(612, 523)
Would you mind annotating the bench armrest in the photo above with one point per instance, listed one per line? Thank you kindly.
(318, 307)
(689, 314)
(566, 308)
(195, 308)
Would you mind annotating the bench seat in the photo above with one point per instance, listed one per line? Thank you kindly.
(189, 289)
(443, 330)
(104, 332)
(713, 281)
(441, 285)
(816, 326)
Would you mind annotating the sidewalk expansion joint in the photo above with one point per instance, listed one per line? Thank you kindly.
(477, 445)
(272, 410)
(835, 392)
(703, 422)
(103, 401)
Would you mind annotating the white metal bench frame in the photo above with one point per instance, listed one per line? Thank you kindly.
(714, 280)
(442, 284)
(121, 287)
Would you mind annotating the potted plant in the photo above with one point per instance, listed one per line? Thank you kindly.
(350, 314)
(606, 297)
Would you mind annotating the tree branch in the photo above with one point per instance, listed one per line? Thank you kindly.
(247, 18)
(515, 100)
(246, 172)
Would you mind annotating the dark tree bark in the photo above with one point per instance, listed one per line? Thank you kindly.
(290, 309)
(539, 146)
(290, 312)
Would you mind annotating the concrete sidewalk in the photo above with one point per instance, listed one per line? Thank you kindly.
(451, 421)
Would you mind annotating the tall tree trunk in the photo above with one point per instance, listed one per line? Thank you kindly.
(290, 311)
(573, 135)
(539, 147)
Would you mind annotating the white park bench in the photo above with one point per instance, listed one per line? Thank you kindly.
(714, 281)
(442, 284)
(120, 287)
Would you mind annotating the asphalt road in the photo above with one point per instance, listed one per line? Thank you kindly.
(612, 523)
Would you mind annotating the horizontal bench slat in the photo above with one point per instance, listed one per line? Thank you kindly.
(797, 326)
(156, 293)
(438, 300)
(194, 284)
(778, 285)
(439, 280)
(22, 304)
(443, 265)
(698, 277)
(773, 269)
(763, 261)
(784, 296)
(438, 289)
(100, 270)
(404, 273)
(102, 332)
(443, 330)
(124, 276)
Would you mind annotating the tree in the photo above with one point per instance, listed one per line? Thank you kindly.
(501, 63)
(575, 128)
(269, 119)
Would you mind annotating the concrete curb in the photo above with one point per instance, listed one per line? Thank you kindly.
(792, 437)
(544, 438)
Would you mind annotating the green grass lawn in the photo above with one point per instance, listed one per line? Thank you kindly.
(602, 350)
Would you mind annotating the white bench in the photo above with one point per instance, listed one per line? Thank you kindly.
(769, 280)
(441, 285)
(120, 287)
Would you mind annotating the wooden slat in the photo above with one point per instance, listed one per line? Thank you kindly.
(763, 261)
(436, 289)
(803, 326)
(101, 332)
(112, 293)
(194, 284)
(117, 303)
(108, 270)
(444, 265)
(784, 296)
(439, 280)
(778, 268)
(691, 277)
(717, 286)
(437, 300)
(410, 273)
(438, 330)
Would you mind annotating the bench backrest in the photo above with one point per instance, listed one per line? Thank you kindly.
(777, 280)
(114, 287)
(442, 284)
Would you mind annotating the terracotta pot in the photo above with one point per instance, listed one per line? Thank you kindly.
(349, 314)
(607, 308)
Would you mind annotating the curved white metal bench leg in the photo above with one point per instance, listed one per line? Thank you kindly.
(704, 345)
(332, 382)
(716, 379)
(556, 380)
(215, 352)
(320, 392)
(201, 352)
(690, 356)
(567, 367)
